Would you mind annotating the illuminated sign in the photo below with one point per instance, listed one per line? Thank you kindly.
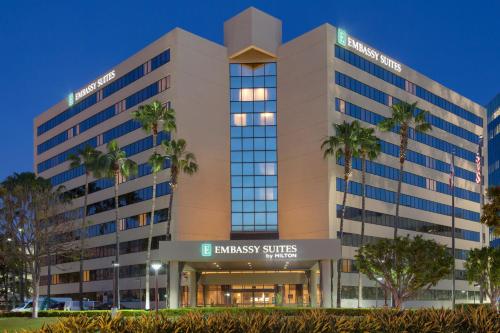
(347, 41)
(206, 250)
(95, 85)
(71, 99)
(296, 249)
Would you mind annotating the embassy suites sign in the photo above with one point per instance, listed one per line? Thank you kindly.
(91, 87)
(234, 250)
(347, 41)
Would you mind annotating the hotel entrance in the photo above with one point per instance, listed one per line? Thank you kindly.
(259, 273)
(255, 289)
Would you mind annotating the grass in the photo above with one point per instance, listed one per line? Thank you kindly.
(17, 324)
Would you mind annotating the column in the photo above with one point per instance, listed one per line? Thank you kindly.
(174, 284)
(313, 287)
(193, 288)
(326, 283)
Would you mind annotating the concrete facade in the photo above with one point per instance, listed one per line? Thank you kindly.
(307, 93)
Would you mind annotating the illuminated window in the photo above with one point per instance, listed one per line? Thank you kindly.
(240, 119)
(122, 224)
(55, 279)
(260, 94)
(267, 118)
(142, 219)
(246, 95)
(86, 276)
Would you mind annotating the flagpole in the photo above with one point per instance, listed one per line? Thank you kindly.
(452, 183)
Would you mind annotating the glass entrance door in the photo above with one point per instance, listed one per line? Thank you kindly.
(247, 295)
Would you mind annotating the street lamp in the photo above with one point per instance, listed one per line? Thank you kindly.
(156, 267)
(116, 301)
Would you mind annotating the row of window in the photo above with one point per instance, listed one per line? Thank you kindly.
(105, 228)
(382, 194)
(138, 97)
(354, 240)
(376, 293)
(113, 87)
(349, 266)
(130, 149)
(100, 274)
(406, 223)
(381, 97)
(400, 82)
(392, 149)
(143, 169)
(134, 246)
(385, 171)
(128, 198)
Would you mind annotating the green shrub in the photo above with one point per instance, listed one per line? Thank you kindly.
(462, 320)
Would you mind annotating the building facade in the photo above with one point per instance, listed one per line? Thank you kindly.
(493, 109)
(258, 224)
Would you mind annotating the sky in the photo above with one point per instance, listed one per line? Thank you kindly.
(50, 48)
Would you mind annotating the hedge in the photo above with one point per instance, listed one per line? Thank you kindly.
(462, 320)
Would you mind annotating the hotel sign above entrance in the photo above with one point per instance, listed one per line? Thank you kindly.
(345, 40)
(300, 249)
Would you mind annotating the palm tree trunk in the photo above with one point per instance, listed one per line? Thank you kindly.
(398, 199)
(116, 268)
(151, 226)
(347, 169)
(169, 238)
(363, 219)
(82, 238)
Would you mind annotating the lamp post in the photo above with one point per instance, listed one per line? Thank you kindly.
(156, 267)
(116, 299)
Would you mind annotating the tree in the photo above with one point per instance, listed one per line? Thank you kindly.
(344, 144)
(369, 148)
(491, 210)
(38, 215)
(115, 165)
(405, 119)
(419, 265)
(483, 267)
(181, 162)
(86, 158)
(153, 117)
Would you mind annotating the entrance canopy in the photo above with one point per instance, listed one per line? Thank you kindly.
(251, 254)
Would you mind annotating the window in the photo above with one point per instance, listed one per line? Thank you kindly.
(253, 147)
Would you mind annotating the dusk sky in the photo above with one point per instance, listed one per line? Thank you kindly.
(50, 48)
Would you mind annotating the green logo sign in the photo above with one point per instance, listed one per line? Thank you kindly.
(71, 99)
(206, 250)
(342, 37)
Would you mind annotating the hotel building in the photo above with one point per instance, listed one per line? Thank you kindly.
(258, 224)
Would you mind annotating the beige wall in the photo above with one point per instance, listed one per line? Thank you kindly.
(302, 124)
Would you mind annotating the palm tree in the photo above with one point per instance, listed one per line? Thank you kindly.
(181, 161)
(404, 117)
(115, 165)
(369, 148)
(87, 158)
(344, 144)
(153, 117)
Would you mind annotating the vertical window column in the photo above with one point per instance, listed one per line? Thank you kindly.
(254, 183)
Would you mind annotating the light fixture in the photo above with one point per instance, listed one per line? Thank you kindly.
(156, 266)
(116, 264)
(9, 239)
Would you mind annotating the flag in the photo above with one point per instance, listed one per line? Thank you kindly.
(478, 160)
(452, 171)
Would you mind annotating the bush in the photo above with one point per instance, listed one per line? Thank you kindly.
(462, 320)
